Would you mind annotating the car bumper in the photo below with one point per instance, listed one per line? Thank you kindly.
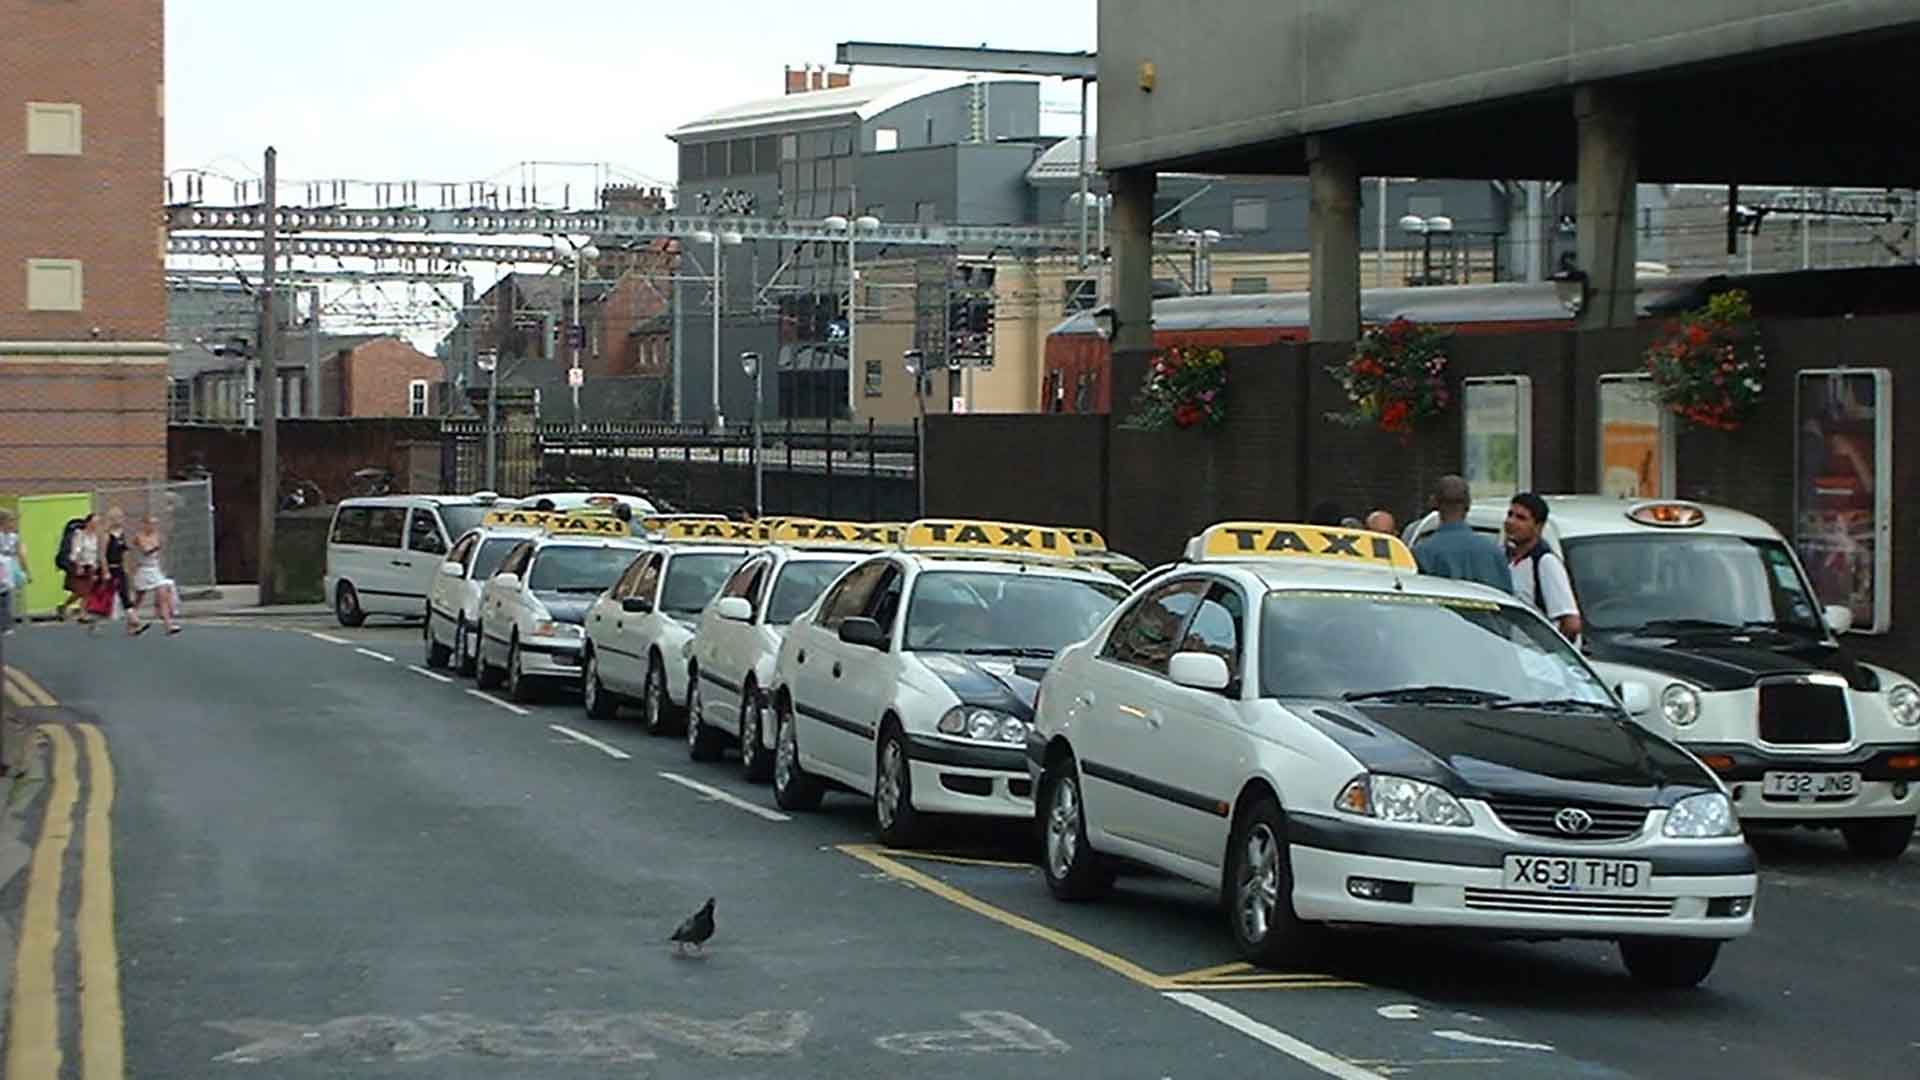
(550, 657)
(1884, 790)
(973, 781)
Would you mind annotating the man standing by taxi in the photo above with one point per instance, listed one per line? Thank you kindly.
(1539, 577)
(1454, 550)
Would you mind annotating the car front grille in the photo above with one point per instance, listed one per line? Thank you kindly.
(1797, 712)
(1637, 907)
(1537, 819)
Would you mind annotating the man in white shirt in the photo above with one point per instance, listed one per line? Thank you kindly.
(1539, 576)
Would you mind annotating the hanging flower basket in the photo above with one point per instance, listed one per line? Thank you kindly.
(1185, 388)
(1395, 379)
(1708, 367)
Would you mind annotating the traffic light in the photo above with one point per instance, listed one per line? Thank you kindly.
(980, 316)
(959, 315)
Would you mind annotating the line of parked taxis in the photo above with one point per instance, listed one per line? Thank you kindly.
(1291, 716)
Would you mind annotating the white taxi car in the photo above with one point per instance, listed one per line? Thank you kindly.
(452, 629)
(638, 631)
(532, 609)
(911, 680)
(586, 502)
(1298, 719)
(730, 659)
(1710, 609)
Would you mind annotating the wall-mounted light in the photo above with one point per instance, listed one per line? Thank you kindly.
(914, 359)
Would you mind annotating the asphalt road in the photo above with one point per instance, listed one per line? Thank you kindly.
(329, 863)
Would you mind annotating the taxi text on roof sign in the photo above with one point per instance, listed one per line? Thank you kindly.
(995, 539)
(803, 532)
(714, 531)
(1238, 540)
(558, 524)
(657, 522)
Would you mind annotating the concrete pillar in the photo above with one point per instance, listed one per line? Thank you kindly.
(1333, 216)
(1132, 240)
(1609, 171)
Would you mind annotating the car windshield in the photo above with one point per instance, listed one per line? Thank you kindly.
(693, 579)
(1353, 645)
(1009, 613)
(799, 585)
(486, 562)
(461, 518)
(1669, 582)
(570, 569)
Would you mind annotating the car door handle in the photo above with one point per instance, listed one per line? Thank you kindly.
(801, 657)
(1083, 701)
(1140, 714)
(617, 624)
(836, 669)
(401, 563)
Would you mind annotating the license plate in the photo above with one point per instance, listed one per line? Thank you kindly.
(1810, 785)
(1561, 874)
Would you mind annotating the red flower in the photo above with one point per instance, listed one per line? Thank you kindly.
(1187, 414)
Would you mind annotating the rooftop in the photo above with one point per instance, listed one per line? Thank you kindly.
(862, 100)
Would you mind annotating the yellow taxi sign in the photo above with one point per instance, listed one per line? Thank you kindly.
(1232, 541)
(557, 523)
(992, 539)
(1086, 540)
(808, 532)
(657, 522)
(714, 531)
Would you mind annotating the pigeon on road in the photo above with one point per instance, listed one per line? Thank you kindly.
(696, 930)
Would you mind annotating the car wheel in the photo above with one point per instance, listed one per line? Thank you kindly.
(437, 654)
(899, 822)
(346, 605)
(519, 687)
(463, 659)
(600, 702)
(756, 764)
(1879, 838)
(1259, 888)
(1073, 869)
(485, 675)
(793, 789)
(1669, 963)
(703, 743)
(653, 699)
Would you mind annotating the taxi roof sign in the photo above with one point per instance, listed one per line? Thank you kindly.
(714, 530)
(995, 539)
(557, 523)
(1241, 541)
(1667, 515)
(845, 535)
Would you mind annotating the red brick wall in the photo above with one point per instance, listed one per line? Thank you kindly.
(376, 376)
(637, 298)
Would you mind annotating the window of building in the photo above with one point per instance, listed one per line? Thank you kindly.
(1081, 293)
(876, 373)
(929, 131)
(1246, 286)
(843, 173)
(1250, 214)
(843, 142)
(716, 159)
(886, 139)
(766, 153)
(54, 285)
(823, 174)
(417, 397)
(693, 161)
(789, 147)
(740, 158)
(53, 127)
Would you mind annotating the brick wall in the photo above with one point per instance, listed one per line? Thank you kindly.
(376, 376)
(633, 302)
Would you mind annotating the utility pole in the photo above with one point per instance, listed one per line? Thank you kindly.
(268, 392)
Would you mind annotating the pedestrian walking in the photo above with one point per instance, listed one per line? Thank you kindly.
(1381, 521)
(13, 569)
(102, 591)
(80, 554)
(150, 580)
(1454, 550)
(1539, 575)
(114, 556)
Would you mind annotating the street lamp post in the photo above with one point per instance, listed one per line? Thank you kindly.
(1099, 204)
(489, 362)
(1427, 228)
(916, 362)
(837, 223)
(576, 331)
(750, 363)
(718, 240)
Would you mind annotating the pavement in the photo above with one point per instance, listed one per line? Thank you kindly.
(327, 860)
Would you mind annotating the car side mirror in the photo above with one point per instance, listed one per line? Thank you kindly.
(866, 632)
(733, 609)
(452, 569)
(1199, 671)
(1839, 618)
(636, 605)
(509, 582)
(1636, 698)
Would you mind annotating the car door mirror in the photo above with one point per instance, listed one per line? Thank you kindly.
(509, 582)
(733, 609)
(636, 605)
(1839, 618)
(866, 632)
(1199, 671)
(451, 569)
(1635, 697)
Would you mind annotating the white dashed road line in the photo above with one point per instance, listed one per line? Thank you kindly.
(507, 705)
(328, 638)
(375, 655)
(731, 800)
(608, 749)
(1305, 1053)
(434, 675)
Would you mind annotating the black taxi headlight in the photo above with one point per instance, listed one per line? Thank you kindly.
(1680, 704)
(1903, 701)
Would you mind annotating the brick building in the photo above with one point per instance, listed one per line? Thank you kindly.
(357, 376)
(83, 375)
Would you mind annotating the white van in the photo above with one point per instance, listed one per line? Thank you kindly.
(382, 552)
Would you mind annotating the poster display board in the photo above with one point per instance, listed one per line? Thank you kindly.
(1498, 434)
(1843, 489)
(1636, 440)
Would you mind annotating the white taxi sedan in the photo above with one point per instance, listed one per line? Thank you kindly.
(732, 652)
(1297, 719)
(532, 609)
(911, 680)
(638, 631)
(452, 628)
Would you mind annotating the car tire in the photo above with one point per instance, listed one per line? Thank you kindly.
(437, 654)
(519, 687)
(898, 823)
(346, 605)
(1878, 838)
(1074, 871)
(485, 675)
(793, 788)
(1258, 892)
(756, 763)
(1669, 963)
(600, 702)
(703, 743)
(654, 704)
(463, 656)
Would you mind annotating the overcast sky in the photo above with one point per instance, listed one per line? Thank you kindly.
(468, 89)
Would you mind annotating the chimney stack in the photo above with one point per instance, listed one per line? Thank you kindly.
(816, 77)
(796, 81)
(838, 79)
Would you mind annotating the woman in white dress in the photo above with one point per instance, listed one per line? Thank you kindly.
(149, 578)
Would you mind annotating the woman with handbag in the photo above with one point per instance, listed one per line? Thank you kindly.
(103, 588)
(83, 566)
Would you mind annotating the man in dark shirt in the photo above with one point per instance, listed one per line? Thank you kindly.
(1454, 550)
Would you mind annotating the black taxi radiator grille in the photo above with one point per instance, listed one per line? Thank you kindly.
(1539, 819)
(1796, 712)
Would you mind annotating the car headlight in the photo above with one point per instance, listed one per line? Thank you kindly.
(1699, 816)
(1903, 701)
(983, 725)
(556, 629)
(1396, 798)
(1680, 704)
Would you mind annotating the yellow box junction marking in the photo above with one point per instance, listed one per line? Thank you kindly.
(25, 692)
(1000, 539)
(864, 536)
(559, 524)
(1238, 976)
(1239, 541)
(714, 531)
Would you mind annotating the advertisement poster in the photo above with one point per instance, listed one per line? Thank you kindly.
(1841, 485)
(1498, 451)
(1635, 444)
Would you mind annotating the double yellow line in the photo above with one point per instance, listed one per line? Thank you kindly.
(23, 691)
(34, 1049)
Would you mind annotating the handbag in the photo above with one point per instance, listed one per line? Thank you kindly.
(100, 600)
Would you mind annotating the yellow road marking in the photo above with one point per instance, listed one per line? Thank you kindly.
(36, 693)
(1274, 984)
(33, 1029)
(102, 1041)
(1236, 968)
(16, 695)
(962, 860)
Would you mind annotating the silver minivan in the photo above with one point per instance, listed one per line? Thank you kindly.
(383, 551)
